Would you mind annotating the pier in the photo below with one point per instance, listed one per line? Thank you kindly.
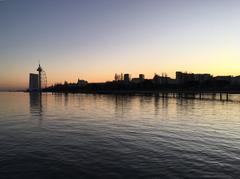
(181, 94)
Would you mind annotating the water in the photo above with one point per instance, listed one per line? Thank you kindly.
(105, 136)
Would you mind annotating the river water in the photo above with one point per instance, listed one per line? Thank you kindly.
(107, 136)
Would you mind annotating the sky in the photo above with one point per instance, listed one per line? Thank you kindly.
(94, 39)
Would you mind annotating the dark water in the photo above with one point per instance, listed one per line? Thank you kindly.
(104, 136)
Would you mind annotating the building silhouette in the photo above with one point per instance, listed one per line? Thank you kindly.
(127, 77)
(141, 77)
(82, 82)
(33, 82)
(183, 78)
(37, 82)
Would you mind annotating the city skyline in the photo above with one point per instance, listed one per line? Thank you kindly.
(93, 40)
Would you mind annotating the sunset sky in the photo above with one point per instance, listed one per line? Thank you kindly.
(94, 39)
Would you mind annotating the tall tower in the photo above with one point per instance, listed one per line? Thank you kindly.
(39, 77)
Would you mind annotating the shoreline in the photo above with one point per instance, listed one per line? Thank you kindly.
(145, 91)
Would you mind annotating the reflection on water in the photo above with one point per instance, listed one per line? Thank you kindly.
(107, 136)
(122, 105)
(37, 103)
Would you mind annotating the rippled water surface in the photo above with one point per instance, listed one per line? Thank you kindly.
(105, 136)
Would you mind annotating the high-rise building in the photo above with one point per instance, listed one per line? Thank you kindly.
(37, 82)
(33, 82)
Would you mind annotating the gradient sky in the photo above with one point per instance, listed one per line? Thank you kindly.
(93, 39)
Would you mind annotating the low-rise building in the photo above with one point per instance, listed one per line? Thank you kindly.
(184, 77)
(82, 82)
(236, 80)
(190, 77)
(127, 77)
(163, 80)
(202, 77)
(223, 78)
(140, 79)
(136, 80)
